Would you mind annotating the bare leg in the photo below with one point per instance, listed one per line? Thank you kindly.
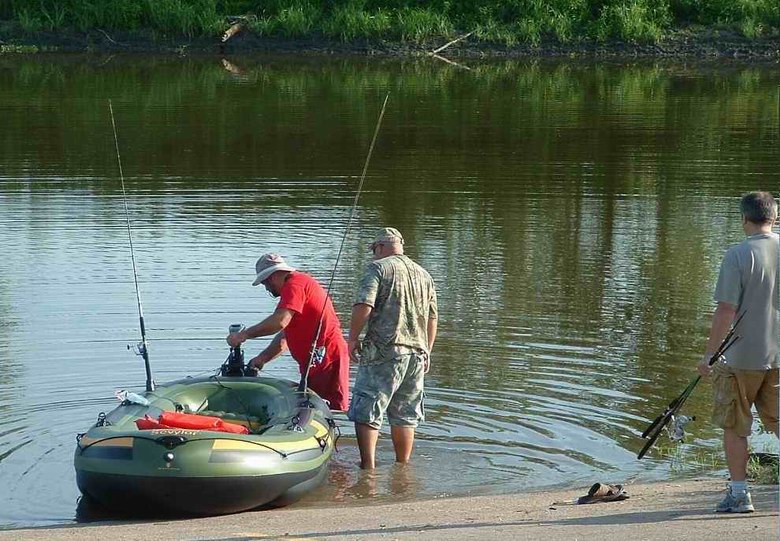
(366, 438)
(736, 454)
(403, 441)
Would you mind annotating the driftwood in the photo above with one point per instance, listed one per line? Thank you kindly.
(234, 29)
(109, 38)
(237, 24)
(453, 42)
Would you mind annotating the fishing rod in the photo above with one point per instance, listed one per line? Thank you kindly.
(653, 431)
(142, 350)
(319, 352)
(669, 414)
(727, 342)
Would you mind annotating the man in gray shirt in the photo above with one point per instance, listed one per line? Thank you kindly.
(397, 303)
(748, 283)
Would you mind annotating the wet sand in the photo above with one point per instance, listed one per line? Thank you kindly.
(664, 511)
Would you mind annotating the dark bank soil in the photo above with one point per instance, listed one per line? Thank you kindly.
(692, 43)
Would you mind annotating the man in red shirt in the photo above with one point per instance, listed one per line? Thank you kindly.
(295, 322)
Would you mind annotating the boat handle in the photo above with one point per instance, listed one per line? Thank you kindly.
(169, 442)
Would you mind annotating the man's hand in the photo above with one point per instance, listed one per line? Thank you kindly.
(236, 339)
(426, 363)
(722, 319)
(354, 350)
(257, 362)
(360, 315)
(704, 368)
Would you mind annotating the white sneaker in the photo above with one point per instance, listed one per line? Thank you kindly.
(736, 504)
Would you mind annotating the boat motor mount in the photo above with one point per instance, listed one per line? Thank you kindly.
(234, 366)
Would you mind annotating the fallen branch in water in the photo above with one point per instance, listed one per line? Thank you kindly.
(237, 24)
(453, 42)
(233, 30)
(109, 38)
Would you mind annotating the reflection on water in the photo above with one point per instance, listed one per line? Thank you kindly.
(573, 217)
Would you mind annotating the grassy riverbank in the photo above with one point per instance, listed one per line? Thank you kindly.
(505, 23)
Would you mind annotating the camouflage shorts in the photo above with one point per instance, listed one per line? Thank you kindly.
(395, 387)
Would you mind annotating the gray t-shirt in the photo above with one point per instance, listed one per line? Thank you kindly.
(749, 280)
(403, 297)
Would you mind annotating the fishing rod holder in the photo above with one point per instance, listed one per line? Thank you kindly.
(234, 366)
(140, 350)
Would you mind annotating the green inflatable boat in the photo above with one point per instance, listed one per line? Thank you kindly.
(245, 442)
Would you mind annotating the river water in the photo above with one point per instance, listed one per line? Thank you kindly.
(573, 216)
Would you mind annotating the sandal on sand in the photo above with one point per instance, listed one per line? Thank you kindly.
(601, 492)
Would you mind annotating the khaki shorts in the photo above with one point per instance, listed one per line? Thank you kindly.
(395, 387)
(735, 392)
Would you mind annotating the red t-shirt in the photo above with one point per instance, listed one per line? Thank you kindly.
(304, 296)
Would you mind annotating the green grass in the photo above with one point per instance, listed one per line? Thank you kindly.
(421, 24)
(184, 17)
(763, 469)
(349, 23)
(684, 459)
(176, 17)
(506, 21)
(19, 49)
(298, 19)
(752, 18)
(632, 20)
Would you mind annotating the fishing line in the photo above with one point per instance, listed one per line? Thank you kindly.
(142, 348)
(314, 353)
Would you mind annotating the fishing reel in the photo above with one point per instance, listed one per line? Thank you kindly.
(234, 366)
(677, 427)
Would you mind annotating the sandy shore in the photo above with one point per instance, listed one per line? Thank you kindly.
(664, 511)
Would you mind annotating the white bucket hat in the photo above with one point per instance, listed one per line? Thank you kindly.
(269, 264)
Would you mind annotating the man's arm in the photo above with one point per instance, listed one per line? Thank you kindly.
(433, 317)
(360, 315)
(277, 346)
(274, 323)
(721, 322)
(433, 326)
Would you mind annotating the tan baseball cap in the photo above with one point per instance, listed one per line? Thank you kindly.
(388, 234)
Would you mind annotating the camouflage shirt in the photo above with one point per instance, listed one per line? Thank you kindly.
(403, 297)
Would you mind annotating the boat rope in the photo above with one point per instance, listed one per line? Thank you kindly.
(314, 350)
(247, 411)
(143, 350)
(178, 406)
(322, 442)
(214, 438)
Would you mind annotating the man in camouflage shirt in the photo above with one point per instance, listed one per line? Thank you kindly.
(397, 299)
